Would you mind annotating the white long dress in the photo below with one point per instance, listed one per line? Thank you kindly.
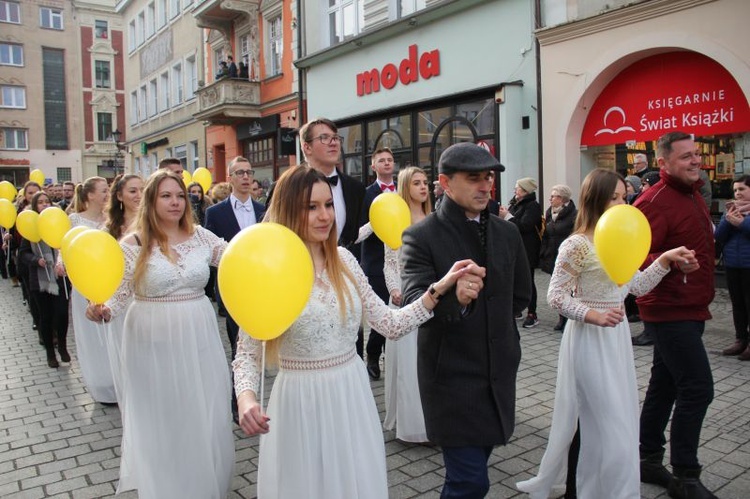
(403, 405)
(325, 439)
(177, 437)
(91, 343)
(596, 382)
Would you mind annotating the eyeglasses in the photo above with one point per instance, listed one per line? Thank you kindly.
(326, 139)
(242, 173)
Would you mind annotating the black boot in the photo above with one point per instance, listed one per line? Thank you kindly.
(686, 484)
(51, 359)
(62, 348)
(653, 471)
(642, 340)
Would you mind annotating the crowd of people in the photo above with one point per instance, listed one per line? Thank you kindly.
(443, 309)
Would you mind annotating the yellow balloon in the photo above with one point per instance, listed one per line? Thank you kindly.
(186, 177)
(8, 191)
(271, 254)
(622, 239)
(69, 236)
(95, 264)
(389, 217)
(37, 176)
(203, 177)
(28, 226)
(7, 214)
(53, 225)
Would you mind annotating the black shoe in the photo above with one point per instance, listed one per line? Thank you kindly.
(109, 404)
(686, 484)
(560, 324)
(52, 362)
(634, 318)
(642, 340)
(653, 471)
(373, 370)
(531, 321)
(222, 312)
(64, 355)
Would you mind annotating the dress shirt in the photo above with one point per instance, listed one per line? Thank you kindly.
(339, 205)
(243, 212)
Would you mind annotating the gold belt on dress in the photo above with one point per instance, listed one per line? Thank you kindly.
(314, 365)
(601, 305)
(170, 298)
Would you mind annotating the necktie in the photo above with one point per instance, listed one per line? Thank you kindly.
(238, 205)
(389, 187)
(333, 180)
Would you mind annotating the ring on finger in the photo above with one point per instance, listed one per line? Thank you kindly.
(471, 285)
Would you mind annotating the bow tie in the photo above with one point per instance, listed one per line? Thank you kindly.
(334, 180)
(389, 187)
(238, 205)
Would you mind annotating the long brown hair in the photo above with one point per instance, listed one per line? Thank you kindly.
(116, 211)
(148, 225)
(81, 198)
(404, 187)
(596, 193)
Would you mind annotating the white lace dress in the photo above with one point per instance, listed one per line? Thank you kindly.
(92, 347)
(596, 381)
(177, 436)
(325, 439)
(403, 405)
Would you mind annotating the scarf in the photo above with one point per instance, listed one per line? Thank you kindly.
(743, 206)
(46, 285)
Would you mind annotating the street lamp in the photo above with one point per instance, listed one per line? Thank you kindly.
(116, 136)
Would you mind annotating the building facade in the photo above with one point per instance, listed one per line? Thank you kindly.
(40, 81)
(618, 74)
(420, 75)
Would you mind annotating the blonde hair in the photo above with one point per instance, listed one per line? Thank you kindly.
(81, 197)
(147, 223)
(596, 193)
(405, 177)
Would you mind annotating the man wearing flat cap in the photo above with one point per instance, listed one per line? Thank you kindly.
(469, 352)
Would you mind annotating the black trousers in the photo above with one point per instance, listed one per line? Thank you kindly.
(532, 302)
(466, 474)
(52, 318)
(681, 379)
(738, 283)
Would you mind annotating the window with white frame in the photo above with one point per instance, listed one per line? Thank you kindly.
(177, 85)
(194, 156)
(101, 29)
(153, 97)
(64, 173)
(150, 19)
(131, 35)
(15, 139)
(11, 54)
(134, 107)
(164, 91)
(174, 8)
(180, 152)
(168, 152)
(142, 101)
(137, 168)
(141, 28)
(153, 159)
(186, 3)
(218, 57)
(103, 126)
(191, 73)
(10, 12)
(346, 18)
(13, 96)
(162, 13)
(406, 7)
(275, 46)
(50, 18)
(101, 74)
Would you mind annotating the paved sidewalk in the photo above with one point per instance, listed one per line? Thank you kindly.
(56, 442)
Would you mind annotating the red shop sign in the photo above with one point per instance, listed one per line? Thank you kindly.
(683, 91)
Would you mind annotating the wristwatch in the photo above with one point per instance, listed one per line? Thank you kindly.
(434, 293)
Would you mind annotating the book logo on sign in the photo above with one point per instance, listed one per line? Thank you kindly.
(408, 71)
(616, 111)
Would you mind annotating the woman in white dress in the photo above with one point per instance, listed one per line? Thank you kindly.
(321, 435)
(596, 381)
(403, 407)
(177, 438)
(124, 198)
(91, 346)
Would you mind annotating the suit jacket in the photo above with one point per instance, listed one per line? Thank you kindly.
(373, 253)
(221, 221)
(467, 359)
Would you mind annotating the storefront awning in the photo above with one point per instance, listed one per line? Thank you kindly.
(683, 91)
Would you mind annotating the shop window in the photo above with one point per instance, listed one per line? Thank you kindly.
(100, 29)
(13, 96)
(50, 18)
(394, 133)
(101, 74)
(11, 54)
(10, 12)
(103, 126)
(346, 19)
(15, 139)
(480, 113)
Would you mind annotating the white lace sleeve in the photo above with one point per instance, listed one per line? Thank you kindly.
(364, 232)
(121, 299)
(246, 364)
(564, 281)
(645, 281)
(217, 244)
(391, 323)
(391, 269)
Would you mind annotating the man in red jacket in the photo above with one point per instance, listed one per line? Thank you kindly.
(674, 315)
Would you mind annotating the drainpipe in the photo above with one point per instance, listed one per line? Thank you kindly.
(538, 25)
(301, 111)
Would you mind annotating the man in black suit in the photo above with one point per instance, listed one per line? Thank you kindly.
(227, 218)
(469, 352)
(373, 254)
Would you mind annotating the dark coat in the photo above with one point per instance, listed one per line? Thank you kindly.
(555, 232)
(467, 362)
(373, 252)
(527, 216)
(221, 221)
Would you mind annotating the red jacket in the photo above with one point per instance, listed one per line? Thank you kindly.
(678, 217)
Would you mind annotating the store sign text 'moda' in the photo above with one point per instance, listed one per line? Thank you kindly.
(408, 71)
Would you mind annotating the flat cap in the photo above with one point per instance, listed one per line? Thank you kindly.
(467, 157)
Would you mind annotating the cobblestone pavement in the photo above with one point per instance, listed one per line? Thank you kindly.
(56, 442)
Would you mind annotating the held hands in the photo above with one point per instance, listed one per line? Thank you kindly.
(608, 318)
(252, 420)
(682, 257)
(502, 211)
(98, 313)
(469, 280)
(396, 297)
(60, 269)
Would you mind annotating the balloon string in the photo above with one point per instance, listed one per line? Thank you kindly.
(262, 373)
(46, 268)
(65, 287)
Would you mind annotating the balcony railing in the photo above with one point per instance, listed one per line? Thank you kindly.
(228, 99)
